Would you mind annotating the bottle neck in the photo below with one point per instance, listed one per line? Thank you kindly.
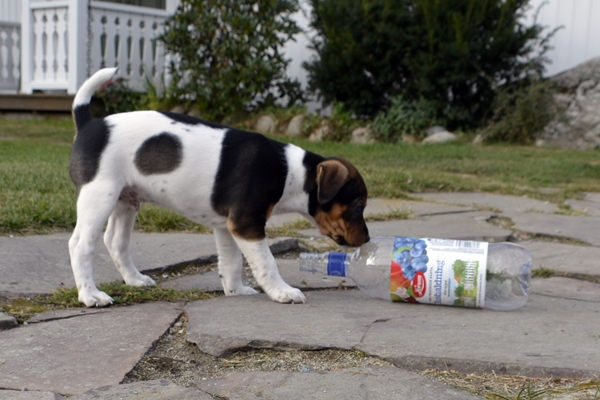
(331, 263)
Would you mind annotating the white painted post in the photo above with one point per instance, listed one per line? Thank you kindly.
(78, 36)
(171, 6)
(26, 47)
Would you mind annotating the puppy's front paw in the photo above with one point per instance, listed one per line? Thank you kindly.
(94, 298)
(242, 290)
(139, 280)
(287, 294)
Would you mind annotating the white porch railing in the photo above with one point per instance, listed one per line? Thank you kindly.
(10, 53)
(64, 41)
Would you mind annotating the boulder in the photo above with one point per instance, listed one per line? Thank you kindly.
(294, 128)
(579, 96)
(440, 137)
(435, 129)
(265, 124)
(362, 136)
(321, 132)
(178, 109)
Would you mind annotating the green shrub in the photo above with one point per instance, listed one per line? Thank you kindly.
(228, 54)
(521, 112)
(450, 53)
(118, 97)
(404, 117)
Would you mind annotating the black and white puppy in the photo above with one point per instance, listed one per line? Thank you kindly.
(225, 178)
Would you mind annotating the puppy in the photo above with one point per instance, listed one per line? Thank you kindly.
(225, 178)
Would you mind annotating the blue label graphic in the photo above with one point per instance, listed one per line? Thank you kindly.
(337, 264)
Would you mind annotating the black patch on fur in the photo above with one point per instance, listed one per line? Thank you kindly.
(311, 161)
(159, 154)
(189, 120)
(82, 116)
(250, 179)
(87, 149)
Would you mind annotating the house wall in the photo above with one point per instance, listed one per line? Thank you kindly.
(10, 10)
(579, 40)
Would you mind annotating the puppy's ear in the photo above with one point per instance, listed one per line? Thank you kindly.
(331, 176)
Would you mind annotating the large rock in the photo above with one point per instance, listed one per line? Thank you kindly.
(265, 124)
(580, 96)
(362, 136)
(294, 128)
(440, 137)
(552, 336)
(322, 132)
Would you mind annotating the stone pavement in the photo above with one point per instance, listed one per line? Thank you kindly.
(85, 353)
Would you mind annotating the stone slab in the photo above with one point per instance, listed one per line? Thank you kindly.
(39, 264)
(590, 204)
(466, 226)
(565, 257)
(288, 268)
(149, 390)
(549, 337)
(7, 322)
(63, 314)
(566, 288)
(585, 229)
(371, 382)
(503, 203)
(73, 355)
(376, 206)
(28, 395)
(417, 208)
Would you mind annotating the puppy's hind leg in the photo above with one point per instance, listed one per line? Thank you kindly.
(95, 203)
(230, 264)
(117, 239)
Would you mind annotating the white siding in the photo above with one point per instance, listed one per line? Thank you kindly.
(578, 40)
(10, 10)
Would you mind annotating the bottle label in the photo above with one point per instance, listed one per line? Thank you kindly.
(336, 265)
(438, 271)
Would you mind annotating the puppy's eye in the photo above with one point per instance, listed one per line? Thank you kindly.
(358, 210)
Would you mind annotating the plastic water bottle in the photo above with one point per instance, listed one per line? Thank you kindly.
(436, 271)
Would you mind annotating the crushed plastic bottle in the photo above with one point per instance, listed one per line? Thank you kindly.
(436, 271)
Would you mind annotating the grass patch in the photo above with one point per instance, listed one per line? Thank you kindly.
(405, 213)
(23, 309)
(542, 272)
(37, 195)
(126, 295)
(511, 387)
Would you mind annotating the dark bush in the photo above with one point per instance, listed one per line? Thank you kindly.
(227, 54)
(452, 54)
(521, 111)
(405, 117)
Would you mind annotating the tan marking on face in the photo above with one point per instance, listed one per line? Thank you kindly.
(332, 223)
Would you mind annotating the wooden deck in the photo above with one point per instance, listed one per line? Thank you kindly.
(36, 103)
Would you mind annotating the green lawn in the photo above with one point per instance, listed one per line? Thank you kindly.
(36, 194)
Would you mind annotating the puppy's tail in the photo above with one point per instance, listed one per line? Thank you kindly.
(81, 103)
